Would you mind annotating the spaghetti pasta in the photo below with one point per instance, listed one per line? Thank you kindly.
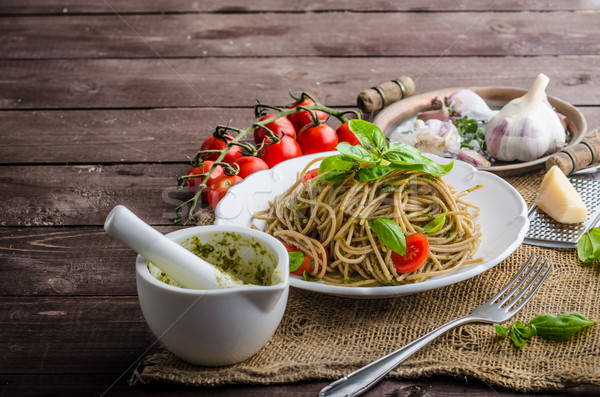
(329, 222)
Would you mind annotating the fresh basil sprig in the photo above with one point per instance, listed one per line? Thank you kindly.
(389, 233)
(374, 158)
(588, 246)
(546, 326)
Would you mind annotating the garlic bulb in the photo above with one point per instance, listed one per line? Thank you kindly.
(525, 128)
(468, 103)
(432, 136)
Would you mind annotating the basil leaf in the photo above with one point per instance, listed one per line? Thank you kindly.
(369, 134)
(436, 224)
(296, 259)
(588, 246)
(594, 234)
(561, 327)
(501, 331)
(516, 338)
(430, 167)
(519, 333)
(585, 249)
(402, 150)
(332, 176)
(525, 331)
(406, 157)
(370, 173)
(308, 277)
(337, 163)
(389, 233)
(356, 152)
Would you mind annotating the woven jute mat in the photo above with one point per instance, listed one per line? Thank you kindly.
(326, 337)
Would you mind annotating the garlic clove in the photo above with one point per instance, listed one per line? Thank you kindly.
(432, 136)
(440, 113)
(525, 128)
(472, 157)
(468, 103)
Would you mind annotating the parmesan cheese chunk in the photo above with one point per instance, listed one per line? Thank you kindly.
(558, 198)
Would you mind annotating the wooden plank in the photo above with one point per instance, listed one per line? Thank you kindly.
(268, 34)
(147, 135)
(241, 6)
(83, 195)
(66, 261)
(164, 135)
(34, 385)
(214, 82)
(72, 335)
(82, 346)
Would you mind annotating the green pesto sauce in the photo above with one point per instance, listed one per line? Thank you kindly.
(243, 258)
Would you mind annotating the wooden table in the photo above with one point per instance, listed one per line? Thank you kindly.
(103, 102)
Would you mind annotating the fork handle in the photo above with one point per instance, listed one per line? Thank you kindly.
(362, 379)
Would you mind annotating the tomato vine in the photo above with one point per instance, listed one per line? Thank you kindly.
(233, 137)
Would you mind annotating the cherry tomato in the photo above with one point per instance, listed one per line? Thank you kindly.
(249, 165)
(280, 126)
(301, 119)
(346, 135)
(193, 183)
(214, 143)
(417, 252)
(310, 175)
(285, 149)
(318, 138)
(219, 187)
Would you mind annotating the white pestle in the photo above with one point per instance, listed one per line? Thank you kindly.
(181, 265)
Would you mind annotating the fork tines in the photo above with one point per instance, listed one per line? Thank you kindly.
(536, 272)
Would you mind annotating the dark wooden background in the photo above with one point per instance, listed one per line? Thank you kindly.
(103, 102)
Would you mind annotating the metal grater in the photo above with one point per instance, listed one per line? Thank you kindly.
(546, 232)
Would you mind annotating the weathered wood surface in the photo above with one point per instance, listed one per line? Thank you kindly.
(71, 334)
(84, 194)
(241, 6)
(150, 83)
(304, 34)
(135, 135)
(93, 115)
(66, 261)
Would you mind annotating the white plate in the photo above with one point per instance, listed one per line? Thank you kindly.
(503, 220)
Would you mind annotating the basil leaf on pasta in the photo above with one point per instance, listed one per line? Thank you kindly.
(370, 173)
(337, 163)
(389, 233)
(357, 152)
(332, 176)
(436, 224)
(429, 166)
(296, 259)
(369, 134)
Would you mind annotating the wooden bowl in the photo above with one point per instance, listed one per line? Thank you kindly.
(496, 98)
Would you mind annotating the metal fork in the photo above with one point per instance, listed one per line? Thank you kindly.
(496, 310)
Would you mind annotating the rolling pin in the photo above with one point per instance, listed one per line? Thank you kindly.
(582, 155)
(376, 98)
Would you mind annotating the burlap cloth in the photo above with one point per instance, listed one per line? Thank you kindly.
(325, 337)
